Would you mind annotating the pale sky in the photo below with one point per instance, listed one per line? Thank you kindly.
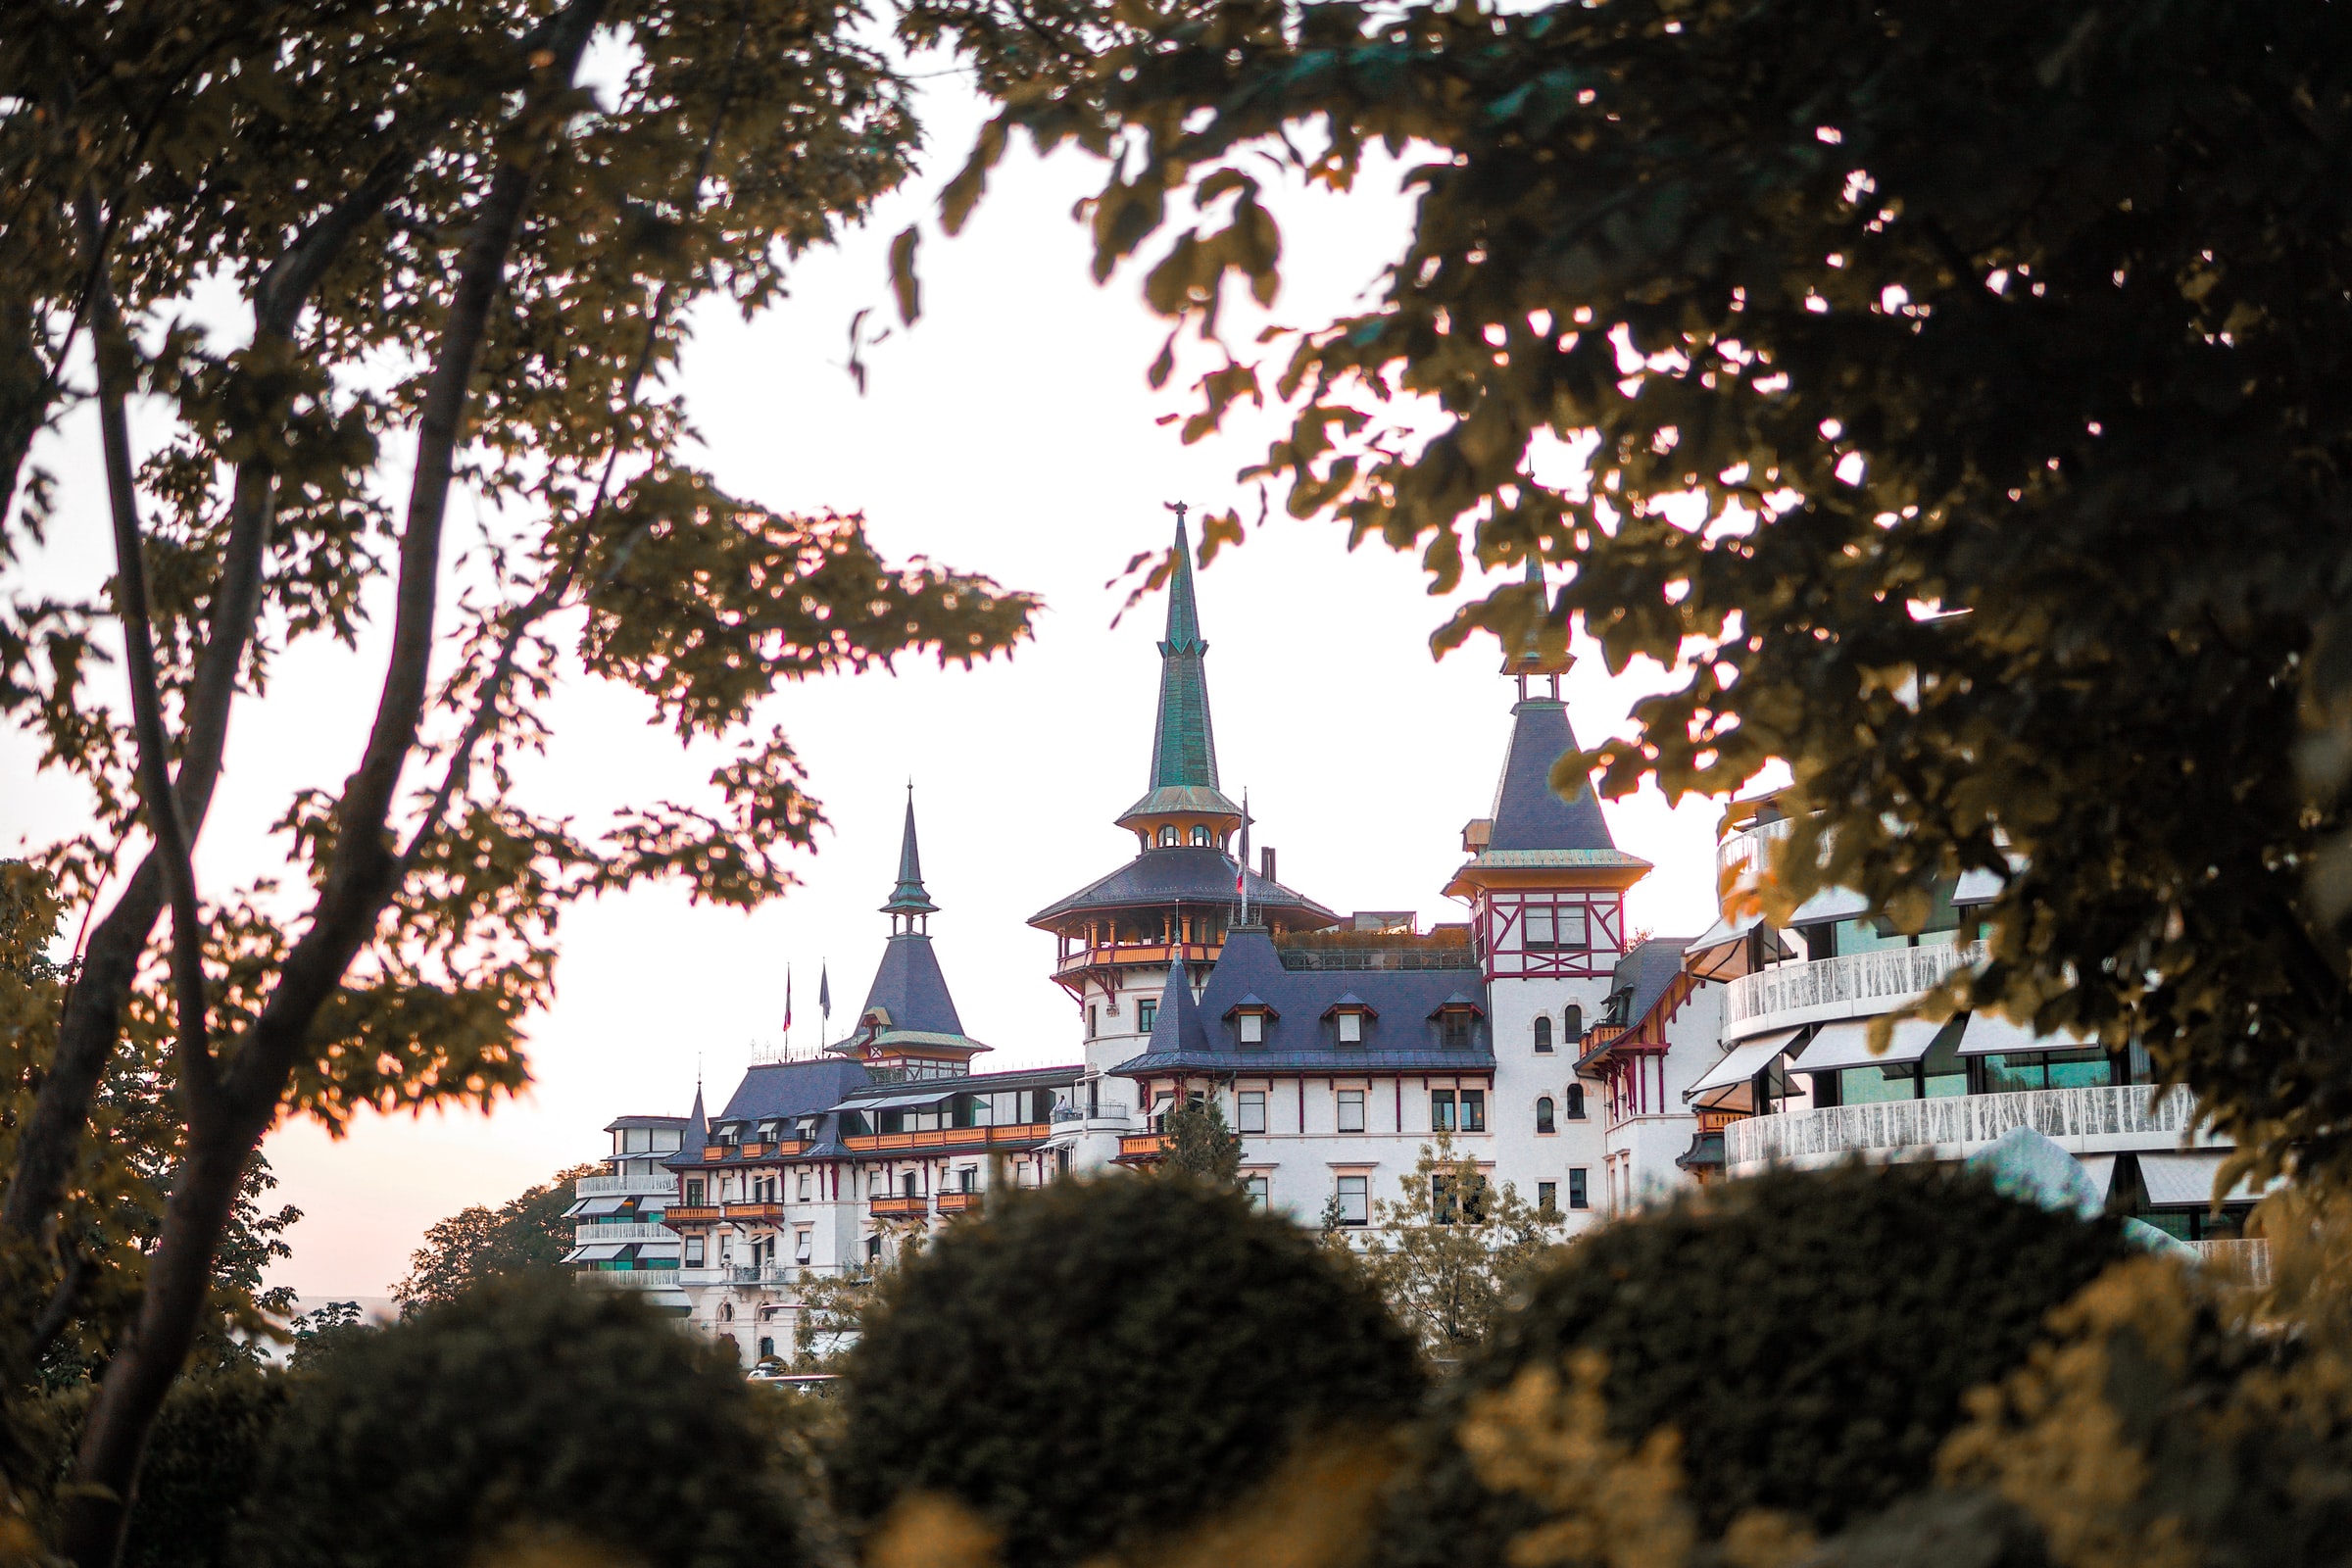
(1010, 432)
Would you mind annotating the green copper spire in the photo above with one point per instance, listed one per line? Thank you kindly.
(1183, 748)
(909, 898)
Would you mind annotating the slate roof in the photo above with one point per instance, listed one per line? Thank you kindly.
(1403, 1037)
(1531, 828)
(698, 1133)
(1184, 875)
(1646, 969)
(908, 986)
(1184, 743)
(785, 1090)
(908, 897)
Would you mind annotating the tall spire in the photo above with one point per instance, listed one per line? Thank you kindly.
(1184, 746)
(909, 899)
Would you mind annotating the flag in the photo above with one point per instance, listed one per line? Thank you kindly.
(1240, 866)
(788, 1000)
(825, 994)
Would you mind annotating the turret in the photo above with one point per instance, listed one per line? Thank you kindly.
(909, 1023)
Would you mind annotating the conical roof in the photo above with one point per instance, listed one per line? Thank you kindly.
(908, 897)
(1184, 745)
(1528, 813)
(696, 1135)
(1177, 1025)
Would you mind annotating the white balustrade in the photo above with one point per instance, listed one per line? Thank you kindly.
(2085, 1120)
(586, 1235)
(625, 1186)
(1854, 985)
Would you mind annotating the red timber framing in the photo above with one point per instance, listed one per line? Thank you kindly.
(1633, 1062)
(1575, 935)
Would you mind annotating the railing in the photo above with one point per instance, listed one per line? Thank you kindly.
(587, 1234)
(2247, 1262)
(754, 1211)
(1959, 1124)
(958, 1203)
(632, 1279)
(898, 1208)
(625, 1186)
(1332, 960)
(1082, 957)
(784, 1149)
(1138, 1146)
(1028, 1132)
(693, 1213)
(1853, 985)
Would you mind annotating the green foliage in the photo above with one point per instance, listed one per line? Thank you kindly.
(528, 1408)
(1809, 1336)
(1446, 1254)
(1782, 330)
(827, 1321)
(1098, 1363)
(522, 1233)
(1201, 1147)
(200, 1464)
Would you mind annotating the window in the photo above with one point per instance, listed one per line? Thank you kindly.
(1578, 1196)
(804, 1187)
(1473, 1111)
(1094, 1020)
(1440, 1111)
(1576, 1102)
(967, 1179)
(1256, 1189)
(1201, 835)
(1572, 1021)
(1353, 1200)
(694, 1194)
(802, 1243)
(1543, 1036)
(907, 1184)
(1351, 1111)
(874, 1184)
(1555, 927)
(1351, 1028)
(767, 1347)
(1147, 1013)
(1455, 1024)
(1167, 835)
(1473, 1205)
(873, 1249)
(1250, 1110)
(1547, 1200)
(694, 1252)
(1250, 1027)
(1543, 1116)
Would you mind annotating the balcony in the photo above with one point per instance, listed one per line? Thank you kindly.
(632, 1279)
(754, 1211)
(1019, 1134)
(958, 1202)
(898, 1207)
(588, 1235)
(2096, 1120)
(2244, 1262)
(1141, 1148)
(693, 1214)
(1078, 956)
(652, 1186)
(1854, 985)
(784, 1149)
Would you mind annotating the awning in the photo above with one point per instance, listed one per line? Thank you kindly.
(1847, 1045)
(1721, 953)
(1989, 1036)
(902, 1102)
(2101, 1170)
(1976, 887)
(601, 1252)
(1829, 904)
(1742, 1063)
(596, 1205)
(2185, 1180)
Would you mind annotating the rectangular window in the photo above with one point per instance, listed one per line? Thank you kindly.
(1543, 931)
(1250, 1027)
(1576, 927)
(802, 1243)
(1250, 1110)
(1440, 1111)
(1258, 1191)
(1455, 1028)
(1147, 1013)
(1355, 1202)
(1578, 1196)
(1351, 1028)
(1473, 1111)
(1548, 1197)
(694, 1252)
(694, 1194)
(804, 1187)
(1094, 1020)
(1351, 1111)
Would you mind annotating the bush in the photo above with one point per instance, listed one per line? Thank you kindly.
(1809, 1335)
(211, 1432)
(1102, 1361)
(528, 1408)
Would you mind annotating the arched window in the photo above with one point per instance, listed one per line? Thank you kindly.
(1576, 1021)
(1544, 1121)
(1168, 836)
(1543, 1035)
(1576, 1102)
(1199, 835)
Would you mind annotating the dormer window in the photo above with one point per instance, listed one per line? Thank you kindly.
(1250, 1017)
(1168, 836)
(1349, 1016)
(1455, 1018)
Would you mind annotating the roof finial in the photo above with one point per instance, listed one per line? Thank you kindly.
(909, 899)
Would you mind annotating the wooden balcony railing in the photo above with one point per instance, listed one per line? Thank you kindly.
(754, 1211)
(683, 1214)
(1081, 956)
(784, 1149)
(958, 1203)
(1017, 1133)
(1140, 1148)
(898, 1207)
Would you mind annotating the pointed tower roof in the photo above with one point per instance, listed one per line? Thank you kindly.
(1177, 1026)
(1532, 829)
(910, 897)
(1184, 746)
(696, 1135)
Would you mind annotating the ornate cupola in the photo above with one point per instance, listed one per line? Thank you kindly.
(908, 1027)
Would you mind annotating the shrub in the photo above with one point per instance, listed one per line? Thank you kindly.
(1101, 1362)
(1808, 1334)
(211, 1432)
(526, 1408)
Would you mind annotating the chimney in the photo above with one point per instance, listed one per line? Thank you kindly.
(1265, 862)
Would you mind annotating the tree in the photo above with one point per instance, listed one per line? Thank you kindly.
(1201, 1147)
(1446, 1254)
(435, 258)
(1949, 398)
(826, 1324)
(526, 1233)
